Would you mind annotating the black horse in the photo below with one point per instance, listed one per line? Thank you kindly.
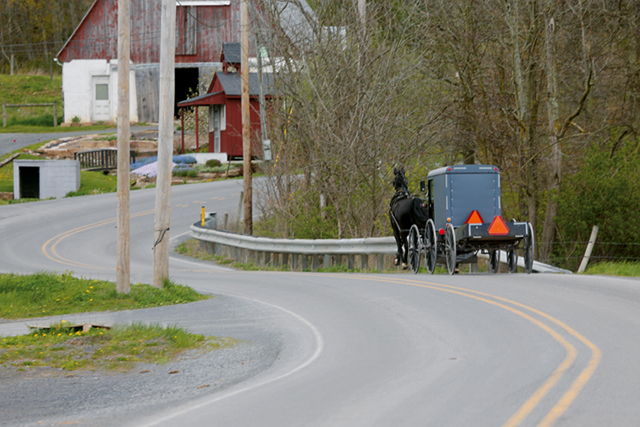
(404, 211)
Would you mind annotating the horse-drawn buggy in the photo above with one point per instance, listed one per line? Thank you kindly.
(460, 218)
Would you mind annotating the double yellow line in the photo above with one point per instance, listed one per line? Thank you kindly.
(49, 247)
(521, 310)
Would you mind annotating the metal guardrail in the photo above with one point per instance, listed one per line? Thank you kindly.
(306, 253)
(264, 250)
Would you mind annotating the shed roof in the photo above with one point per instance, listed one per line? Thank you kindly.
(231, 53)
(215, 98)
(231, 83)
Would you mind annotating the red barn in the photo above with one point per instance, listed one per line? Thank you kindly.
(89, 56)
(224, 101)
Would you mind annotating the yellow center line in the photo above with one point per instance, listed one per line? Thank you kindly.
(596, 356)
(569, 396)
(60, 259)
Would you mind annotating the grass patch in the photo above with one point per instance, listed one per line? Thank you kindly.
(48, 294)
(92, 182)
(29, 89)
(627, 269)
(119, 348)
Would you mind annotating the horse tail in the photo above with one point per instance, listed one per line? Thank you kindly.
(419, 213)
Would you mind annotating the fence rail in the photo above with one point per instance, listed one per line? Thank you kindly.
(45, 104)
(307, 253)
(100, 159)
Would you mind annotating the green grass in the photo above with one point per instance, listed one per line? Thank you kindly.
(31, 89)
(628, 269)
(49, 294)
(95, 183)
(120, 348)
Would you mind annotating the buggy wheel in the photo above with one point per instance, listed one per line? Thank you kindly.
(450, 249)
(527, 250)
(512, 260)
(494, 261)
(431, 246)
(414, 249)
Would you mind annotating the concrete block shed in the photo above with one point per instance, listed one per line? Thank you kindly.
(43, 179)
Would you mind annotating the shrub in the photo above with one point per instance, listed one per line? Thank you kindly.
(603, 192)
(213, 163)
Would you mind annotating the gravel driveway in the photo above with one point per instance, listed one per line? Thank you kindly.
(46, 396)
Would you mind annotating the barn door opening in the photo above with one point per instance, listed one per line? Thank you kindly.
(101, 103)
(186, 86)
(29, 182)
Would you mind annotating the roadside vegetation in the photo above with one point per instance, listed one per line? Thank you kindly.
(49, 294)
(626, 269)
(119, 348)
(63, 345)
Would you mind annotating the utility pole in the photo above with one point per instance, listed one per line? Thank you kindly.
(124, 134)
(165, 142)
(246, 118)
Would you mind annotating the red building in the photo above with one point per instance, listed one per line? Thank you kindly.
(224, 101)
(202, 26)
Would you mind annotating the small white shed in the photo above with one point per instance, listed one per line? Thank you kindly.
(90, 91)
(43, 179)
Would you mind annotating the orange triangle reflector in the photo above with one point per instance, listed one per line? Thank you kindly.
(498, 227)
(474, 218)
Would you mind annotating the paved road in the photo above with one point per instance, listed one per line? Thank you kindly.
(372, 350)
(14, 141)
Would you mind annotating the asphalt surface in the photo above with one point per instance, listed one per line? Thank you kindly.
(14, 141)
(336, 349)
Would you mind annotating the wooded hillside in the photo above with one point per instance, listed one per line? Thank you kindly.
(33, 31)
(530, 86)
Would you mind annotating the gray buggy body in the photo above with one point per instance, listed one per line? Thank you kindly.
(465, 218)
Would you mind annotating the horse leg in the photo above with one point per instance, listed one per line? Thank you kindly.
(405, 247)
(396, 235)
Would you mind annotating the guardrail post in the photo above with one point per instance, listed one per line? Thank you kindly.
(294, 262)
(364, 261)
(326, 261)
(285, 260)
(276, 260)
(267, 258)
(380, 262)
(338, 259)
(315, 262)
(304, 262)
(350, 261)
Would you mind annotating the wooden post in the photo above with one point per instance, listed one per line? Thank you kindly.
(587, 254)
(124, 135)
(197, 132)
(165, 142)
(246, 124)
(55, 114)
(4, 115)
(182, 129)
